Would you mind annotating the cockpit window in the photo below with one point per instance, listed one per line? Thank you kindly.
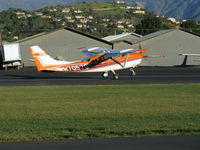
(87, 59)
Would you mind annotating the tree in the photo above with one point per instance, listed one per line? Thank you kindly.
(191, 25)
(151, 24)
(148, 25)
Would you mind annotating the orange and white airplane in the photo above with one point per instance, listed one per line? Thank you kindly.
(99, 60)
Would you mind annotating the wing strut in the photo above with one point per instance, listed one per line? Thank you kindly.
(118, 63)
(125, 61)
(123, 66)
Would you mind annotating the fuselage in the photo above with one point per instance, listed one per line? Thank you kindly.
(99, 64)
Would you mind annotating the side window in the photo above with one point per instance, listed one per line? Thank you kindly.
(88, 60)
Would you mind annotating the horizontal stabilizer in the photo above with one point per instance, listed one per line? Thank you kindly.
(189, 54)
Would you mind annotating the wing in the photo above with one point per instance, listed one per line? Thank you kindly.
(93, 51)
(116, 53)
(110, 53)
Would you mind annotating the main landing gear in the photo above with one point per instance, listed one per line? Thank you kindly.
(105, 74)
(132, 72)
(116, 76)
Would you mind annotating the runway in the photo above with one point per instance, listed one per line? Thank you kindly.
(144, 75)
(191, 142)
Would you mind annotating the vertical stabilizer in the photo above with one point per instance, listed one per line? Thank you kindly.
(44, 61)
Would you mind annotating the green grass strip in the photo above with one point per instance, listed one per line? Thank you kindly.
(76, 112)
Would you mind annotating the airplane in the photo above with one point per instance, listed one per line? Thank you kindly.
(100, 60)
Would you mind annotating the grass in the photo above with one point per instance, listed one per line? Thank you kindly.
(98, 5)
(103, 8)
(75, 112)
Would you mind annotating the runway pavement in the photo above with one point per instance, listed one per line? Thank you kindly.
(137, 143)
(144, 75)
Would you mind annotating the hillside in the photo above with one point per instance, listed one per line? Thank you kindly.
(96, 18)
(180, 9)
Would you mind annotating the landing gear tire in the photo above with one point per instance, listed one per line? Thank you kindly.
(133, 73)
(116, 76)
(105, 75)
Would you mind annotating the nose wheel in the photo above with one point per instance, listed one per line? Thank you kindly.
(105, 75)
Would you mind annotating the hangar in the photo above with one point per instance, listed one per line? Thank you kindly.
(169, 43)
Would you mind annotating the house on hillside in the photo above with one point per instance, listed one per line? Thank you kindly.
(78, 11)
(139, 12)
(38, 13)
(45, 16)
(20, 14)
(79, 17)
(71, 20)
(80, 25)
(68, 17)
(120, 2)
(53, 10)
(66, 10)
(125, 21)
(120, 26)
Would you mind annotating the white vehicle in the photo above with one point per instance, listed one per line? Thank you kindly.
(11, 56)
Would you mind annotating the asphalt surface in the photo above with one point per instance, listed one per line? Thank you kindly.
(137, 143)
(144, 75)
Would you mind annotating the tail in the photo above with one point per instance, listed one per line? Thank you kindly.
(44, 61)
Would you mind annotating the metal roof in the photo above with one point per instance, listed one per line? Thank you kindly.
(66, 28)
(116, 37)
(31, 37)
(149, 36)
(87, 35)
